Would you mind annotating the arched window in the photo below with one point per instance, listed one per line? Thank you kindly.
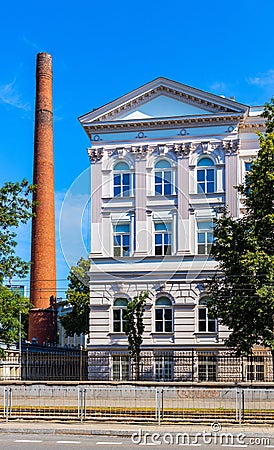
(205, 176)
(122, 180)
(163, 178)
(119, 310)
(163, 315)
(206, 322)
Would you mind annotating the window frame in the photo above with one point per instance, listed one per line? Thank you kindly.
(164, 367)
(166, 315)
(164, 184)
(207, 320)
(122, 362)
(121, 174)
(205, 170)
(121, 235)
(121, 320)
(166, 235)
(209, 236)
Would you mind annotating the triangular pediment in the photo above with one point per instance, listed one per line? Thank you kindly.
(162, 98)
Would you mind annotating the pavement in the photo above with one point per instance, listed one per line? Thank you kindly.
(126, 430)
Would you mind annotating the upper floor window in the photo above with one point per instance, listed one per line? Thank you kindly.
(205, 176)
(163, 316)
(162, 238)
(204, 237)
(122, 180)
(248, 166)
(121, 239)
(163, 178)
(119, 311)
(206, 322)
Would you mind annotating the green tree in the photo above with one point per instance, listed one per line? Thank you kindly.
(77, 320)
(135, 328)
(14, 311)
(242, 292)
(15, 208)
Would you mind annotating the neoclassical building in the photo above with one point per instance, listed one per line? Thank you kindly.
(164, 159)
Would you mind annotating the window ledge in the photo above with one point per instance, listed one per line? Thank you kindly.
(116, 333)
(162, 333)
(206, 333)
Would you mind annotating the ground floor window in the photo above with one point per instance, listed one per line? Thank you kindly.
(207, 367)
(120, 367)
(164, 367)
(255, 368)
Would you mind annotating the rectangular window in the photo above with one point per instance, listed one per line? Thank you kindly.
(255, 368)
(120, 367)
(164, 367)
(204, 237)
(162, 238)
(163, 183)
(206, 323)
(206, 181)
(121, 240)
(207, 368)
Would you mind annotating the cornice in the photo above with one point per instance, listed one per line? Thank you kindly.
(181, 150)
(164, 123)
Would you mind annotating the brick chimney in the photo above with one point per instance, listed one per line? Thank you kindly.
(42, 320)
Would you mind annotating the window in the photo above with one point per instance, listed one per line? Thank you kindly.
(207, 367)
(119, 311)
(123, 180)
(205, 176)
(120, 367)
(163, 178)
(248, 166)
(206, 322)
(121, 239)
(255, 368)
(204, 237)
(163, 316)
(162, 238)
(164, 367)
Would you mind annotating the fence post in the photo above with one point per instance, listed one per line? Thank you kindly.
(192, 365)
(7, 402)
(158, 405)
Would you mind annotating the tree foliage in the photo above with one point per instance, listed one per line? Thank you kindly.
(242, 293)
(77, 320)
(15, 208)
(13, 307)
(135, 328)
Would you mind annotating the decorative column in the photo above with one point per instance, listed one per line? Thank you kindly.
(42, 320)
(231, 175)
(183, 244)
(140, 206)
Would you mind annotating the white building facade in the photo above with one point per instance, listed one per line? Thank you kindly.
(164, 159)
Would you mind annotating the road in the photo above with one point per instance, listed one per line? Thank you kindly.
(19, 441)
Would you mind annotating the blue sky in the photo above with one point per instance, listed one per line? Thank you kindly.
(102, 50)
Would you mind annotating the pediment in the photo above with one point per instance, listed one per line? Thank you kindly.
(162, 98)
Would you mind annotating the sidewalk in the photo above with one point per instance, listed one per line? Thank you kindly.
(126, 430)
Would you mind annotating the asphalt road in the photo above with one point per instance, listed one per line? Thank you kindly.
(18, 441)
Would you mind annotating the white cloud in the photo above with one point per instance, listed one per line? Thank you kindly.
(219, 87)
(263, 80)
(10, 96)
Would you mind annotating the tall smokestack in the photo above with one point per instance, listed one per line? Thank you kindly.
(42, 321)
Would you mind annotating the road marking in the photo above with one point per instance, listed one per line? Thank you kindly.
(26, 440)
(68, 442)
(108, 443)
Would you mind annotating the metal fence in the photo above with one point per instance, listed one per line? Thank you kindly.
(185, 365)
(54, 365)
(41, 364)
(138, 403)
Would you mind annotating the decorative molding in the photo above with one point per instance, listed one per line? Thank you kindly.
(164, 123)
(170, 92)
(95, 154)
(231, 146)
(181, 150)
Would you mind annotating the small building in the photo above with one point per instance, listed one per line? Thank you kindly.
(164, 159)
